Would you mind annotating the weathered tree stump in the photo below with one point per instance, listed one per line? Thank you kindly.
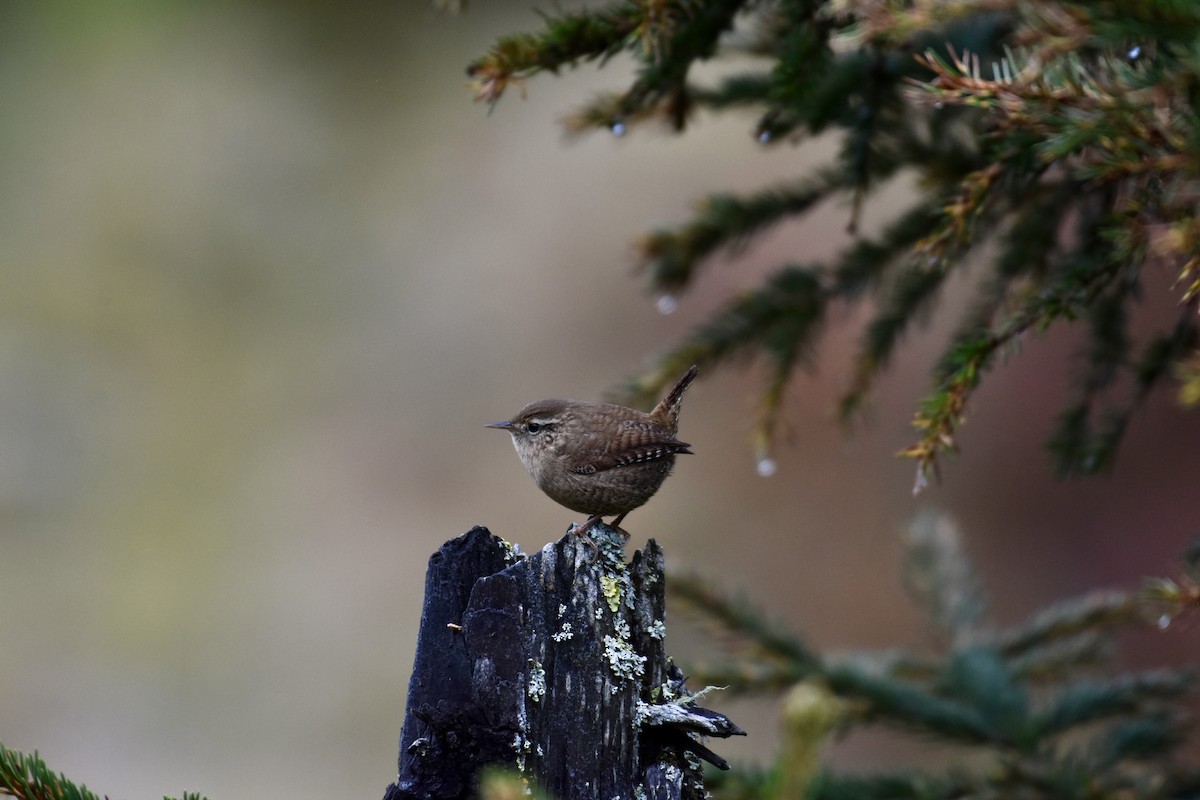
(553, 665)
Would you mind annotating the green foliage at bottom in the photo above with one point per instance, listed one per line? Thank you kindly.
(1039, 710)
(27, 777)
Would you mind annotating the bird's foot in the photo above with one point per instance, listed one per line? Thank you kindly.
(606, 540)
(582, 532)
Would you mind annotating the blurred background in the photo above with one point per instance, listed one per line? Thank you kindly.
(266, 270)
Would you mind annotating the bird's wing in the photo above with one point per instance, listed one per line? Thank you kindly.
(638, 443)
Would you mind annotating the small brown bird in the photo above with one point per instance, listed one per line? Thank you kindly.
(597, 458)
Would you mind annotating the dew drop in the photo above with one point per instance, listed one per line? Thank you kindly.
(766, 467)
(1134, 53)
(764, 137)
(1164, 622)
(921, 482)
(938, 104)
(667, 304)
(618, 128)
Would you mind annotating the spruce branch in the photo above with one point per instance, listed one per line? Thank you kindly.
(801, 41)
(783, 316)
(746, 622)
(909, 705)
(962, 368)
(909, 785)
(1085, 702)
(27, 777)
(1044, 714)
(1099, 611)
(1063, 133)
(939, 577)
(916, 290)
(1079, 445)
(725, 222)
(864, 266)
(693, 39)
(565, 41)
(1054, 661)
(1139, 739)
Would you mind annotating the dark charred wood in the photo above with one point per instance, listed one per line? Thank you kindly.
(552, 665)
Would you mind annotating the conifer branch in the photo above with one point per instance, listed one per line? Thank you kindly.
(910, 785)
(1056, 660)
(784, 315)
(1138, 739)
(566, 40)
(1085, 702)
(745, 621)
(907, 704)
(1099, 611)
(26, 777)
(693, 38)
(1020, 121)
(671, 257)
(939, 577)
(1033, 701)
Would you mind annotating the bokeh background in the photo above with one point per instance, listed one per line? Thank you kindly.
(265, 271)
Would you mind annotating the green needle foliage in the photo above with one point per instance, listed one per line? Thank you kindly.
(1063, 135)
(1039, 709)
(27, 777)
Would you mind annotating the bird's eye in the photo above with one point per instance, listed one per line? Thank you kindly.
(533, 427)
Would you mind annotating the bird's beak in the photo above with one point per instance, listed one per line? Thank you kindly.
(504, 425)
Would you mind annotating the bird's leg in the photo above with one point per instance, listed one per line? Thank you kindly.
(616, 525)
(582, 532)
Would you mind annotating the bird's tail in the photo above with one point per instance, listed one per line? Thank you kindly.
(668, 408)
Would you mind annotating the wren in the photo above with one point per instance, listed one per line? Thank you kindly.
(599, 459)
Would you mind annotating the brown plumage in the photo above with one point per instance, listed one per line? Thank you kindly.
(599, 459)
